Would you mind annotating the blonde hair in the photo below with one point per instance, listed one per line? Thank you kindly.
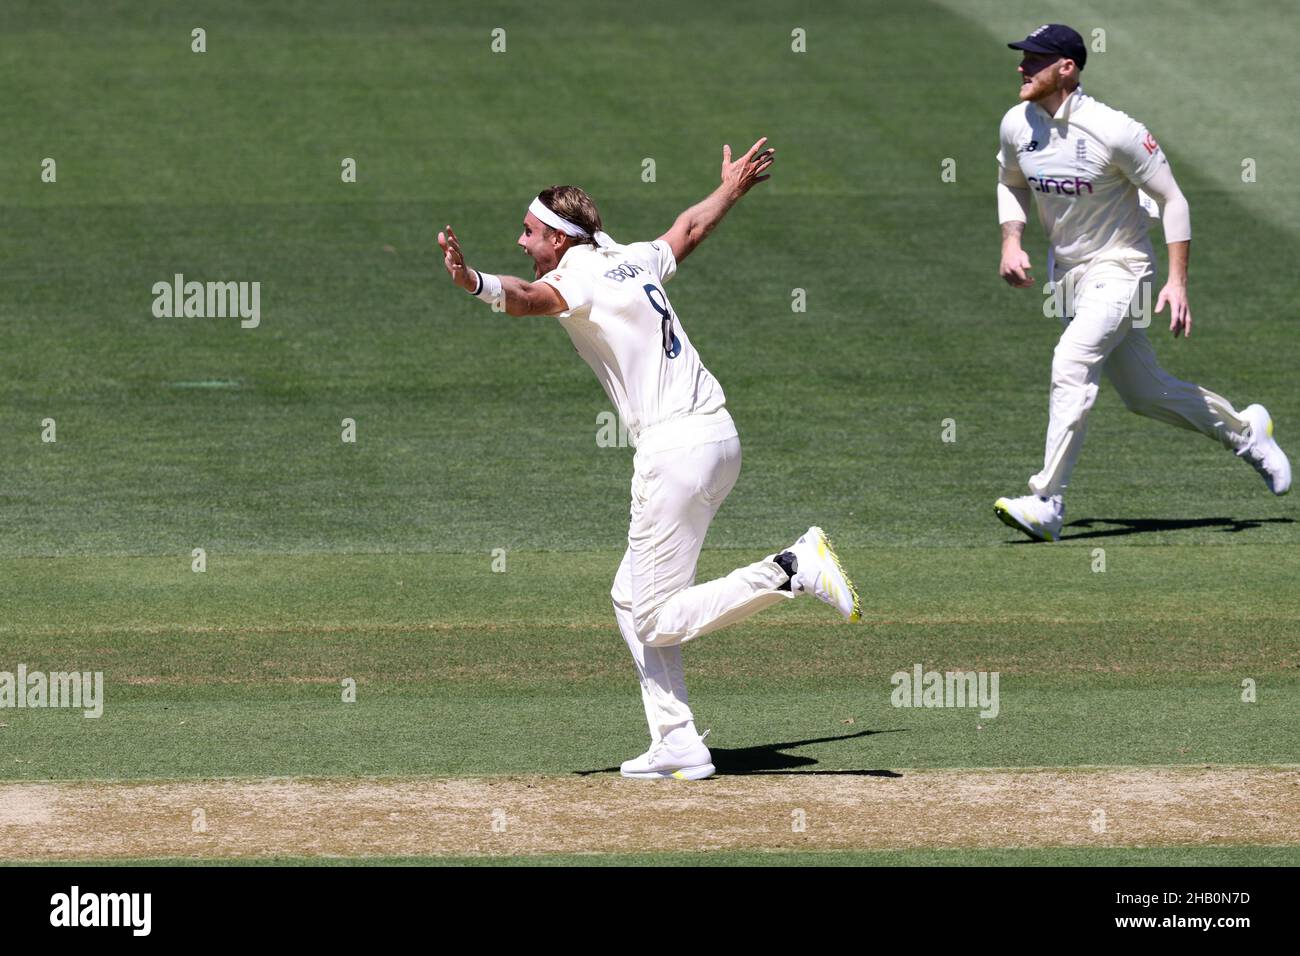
(573, 203)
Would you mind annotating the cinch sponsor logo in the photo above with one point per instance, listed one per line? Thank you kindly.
(37, 689)
(103, 909)
(1062, 187)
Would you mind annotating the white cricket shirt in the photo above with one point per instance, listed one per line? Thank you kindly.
(624, 327)
(1084, 165)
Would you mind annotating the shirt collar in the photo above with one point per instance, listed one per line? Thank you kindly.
(1071, 103)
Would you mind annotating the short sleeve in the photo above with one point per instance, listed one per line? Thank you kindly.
(658, 255)
(1009, 171)
(574, 284)
(1136, 152)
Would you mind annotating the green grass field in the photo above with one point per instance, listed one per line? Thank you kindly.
(372, 561)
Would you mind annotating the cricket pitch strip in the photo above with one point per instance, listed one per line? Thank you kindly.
(603, 813)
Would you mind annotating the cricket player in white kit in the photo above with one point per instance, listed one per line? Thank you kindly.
(1084, 163)
(610, 298)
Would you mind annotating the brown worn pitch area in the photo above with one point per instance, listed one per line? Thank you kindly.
(431, 816)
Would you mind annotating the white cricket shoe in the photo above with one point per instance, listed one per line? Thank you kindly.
(818, 572)
(1040, 518)
(1263, 453)
(681, 754)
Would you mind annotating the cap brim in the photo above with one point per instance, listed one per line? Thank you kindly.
(1031, 46)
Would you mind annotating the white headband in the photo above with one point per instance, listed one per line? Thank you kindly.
(556, 221)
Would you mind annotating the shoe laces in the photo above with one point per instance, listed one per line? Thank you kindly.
(1255, 453)
(1051, 508)
(1249, 447)
(661, 744)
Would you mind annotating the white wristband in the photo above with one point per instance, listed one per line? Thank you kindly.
(489, 288)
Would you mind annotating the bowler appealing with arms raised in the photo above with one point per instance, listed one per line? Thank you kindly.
(610, 299)
(1084, 163)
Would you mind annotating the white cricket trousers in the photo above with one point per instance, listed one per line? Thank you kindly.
(675, 494)
(1102, 337)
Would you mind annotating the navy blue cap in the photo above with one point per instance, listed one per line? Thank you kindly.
(1055, 38)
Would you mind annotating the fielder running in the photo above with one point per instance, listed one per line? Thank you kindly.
(1084, 163)
(610, 298)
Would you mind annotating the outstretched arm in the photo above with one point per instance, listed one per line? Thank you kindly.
(520, 296)
(693, 225)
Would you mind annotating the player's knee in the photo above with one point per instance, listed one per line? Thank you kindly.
(655, 626)
(671, 626)
(1137, 404)
(1067, 370)
(644, 618)
(660, 636)
(1071, 403)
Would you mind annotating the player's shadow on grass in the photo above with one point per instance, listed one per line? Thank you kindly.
(768, 759)
(1127, 526)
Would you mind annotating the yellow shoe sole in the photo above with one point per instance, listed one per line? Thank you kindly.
(828, 550)
(1004, 515)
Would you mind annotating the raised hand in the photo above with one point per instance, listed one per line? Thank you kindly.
(454, 260)
(744, 173)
